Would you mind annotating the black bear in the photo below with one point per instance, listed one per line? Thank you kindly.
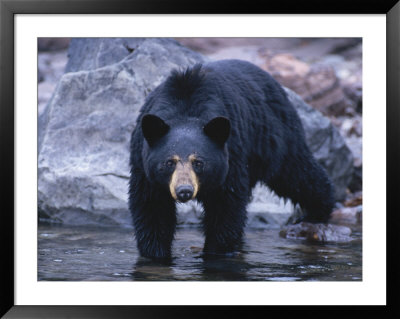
(210, 133)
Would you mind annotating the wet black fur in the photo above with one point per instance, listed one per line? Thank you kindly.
(266, 143)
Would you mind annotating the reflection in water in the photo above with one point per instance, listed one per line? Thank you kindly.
(110, 254)
(225, 269)
(146, 269)
(215, 269)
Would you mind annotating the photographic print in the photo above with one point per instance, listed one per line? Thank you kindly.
(200, 159)
(156, 159)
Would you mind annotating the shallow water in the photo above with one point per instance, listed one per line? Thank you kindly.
(110, 254)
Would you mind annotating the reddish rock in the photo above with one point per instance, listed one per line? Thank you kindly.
(347, 215)
(354, 201)
(317, 84)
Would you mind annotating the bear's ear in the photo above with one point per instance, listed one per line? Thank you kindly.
(153, 128)
(218, 129)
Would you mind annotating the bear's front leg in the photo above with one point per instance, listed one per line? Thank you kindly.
(223, 222)
(154, 221)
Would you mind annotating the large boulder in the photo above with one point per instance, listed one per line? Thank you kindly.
(84, 132)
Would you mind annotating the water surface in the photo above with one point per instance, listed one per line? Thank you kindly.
(110, 254)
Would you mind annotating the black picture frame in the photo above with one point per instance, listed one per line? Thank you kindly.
(8, 10)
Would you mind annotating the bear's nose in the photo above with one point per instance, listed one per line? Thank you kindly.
(184, 192)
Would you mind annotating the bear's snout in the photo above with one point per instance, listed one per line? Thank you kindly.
(184, 193)
(184, 183)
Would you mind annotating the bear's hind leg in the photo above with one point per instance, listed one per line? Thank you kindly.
(306, 183)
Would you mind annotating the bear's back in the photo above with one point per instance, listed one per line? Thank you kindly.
(249, 97)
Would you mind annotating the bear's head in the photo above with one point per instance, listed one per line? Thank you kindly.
(186, 158)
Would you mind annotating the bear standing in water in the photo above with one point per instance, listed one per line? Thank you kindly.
(211, 133)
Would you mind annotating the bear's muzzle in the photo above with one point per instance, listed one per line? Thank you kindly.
(184, 183)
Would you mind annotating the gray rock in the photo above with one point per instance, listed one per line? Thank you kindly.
(84, 133)
(51, 65)
(94, 53)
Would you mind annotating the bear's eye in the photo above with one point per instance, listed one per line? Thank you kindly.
(170, 163)
(198, 164)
